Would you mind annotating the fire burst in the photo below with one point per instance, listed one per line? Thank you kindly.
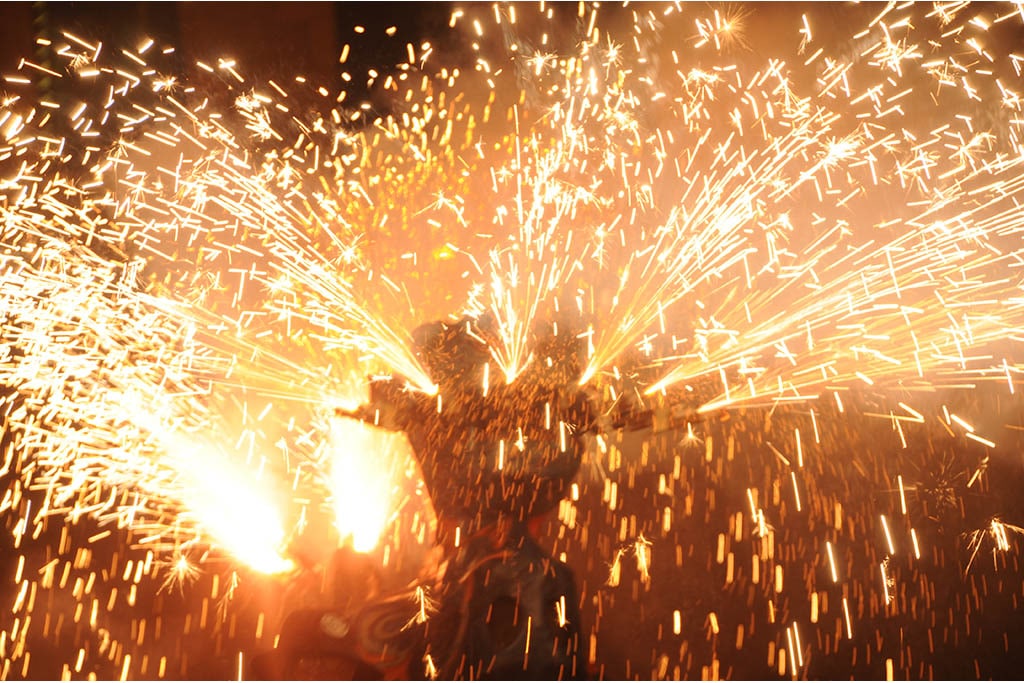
(188, 276)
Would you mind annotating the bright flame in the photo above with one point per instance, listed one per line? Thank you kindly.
(231, 505)
(364, 460)
(226, 499)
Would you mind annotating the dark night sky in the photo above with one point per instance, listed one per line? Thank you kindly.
(270, 38)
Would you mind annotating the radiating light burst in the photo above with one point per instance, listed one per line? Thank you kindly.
(188, 273)
(997, 532)
(181, 571)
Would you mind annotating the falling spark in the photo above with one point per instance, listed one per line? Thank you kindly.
(831, 562)
(888, 535)
(642, 550)
(887, 581)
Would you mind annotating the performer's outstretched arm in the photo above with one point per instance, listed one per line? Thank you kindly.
(392, 405)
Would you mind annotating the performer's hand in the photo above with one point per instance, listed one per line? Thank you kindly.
(344, 412)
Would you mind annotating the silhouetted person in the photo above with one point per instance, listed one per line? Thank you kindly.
(496, 458)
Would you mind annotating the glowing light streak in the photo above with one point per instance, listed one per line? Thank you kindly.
(846, 618)
(888, 535)
(883, 568)
(831, 562)
(903, 496)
